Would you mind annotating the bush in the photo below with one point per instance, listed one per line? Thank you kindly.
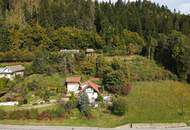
(33, 114)
(120, 89)
(88, 67)
(119, 106)
(3, 85)
(58, 112)
(23, 101)
(17, 115)
(69, 106)
(45, 115)
(113, 78)
(87, 113)
(126, 89)
(15, 56)
(2, 114)
(100, 98)
(21, 114)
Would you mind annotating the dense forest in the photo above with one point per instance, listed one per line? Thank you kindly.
(121, 28)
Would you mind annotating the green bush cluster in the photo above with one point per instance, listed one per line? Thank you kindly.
(120, 89)
(134, 68)
(143, 69)
(19, 114)
(119, 106)
(61, 111)
(16, 56)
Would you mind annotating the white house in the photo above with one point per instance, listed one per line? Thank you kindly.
(91, 89)
(10, 72)
(73, 84)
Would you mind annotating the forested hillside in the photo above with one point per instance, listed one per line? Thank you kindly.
(123, 28)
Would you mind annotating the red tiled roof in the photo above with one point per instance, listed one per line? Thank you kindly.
(92, 85)
(75, 79)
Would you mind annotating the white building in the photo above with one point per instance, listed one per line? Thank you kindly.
(8, 103)
(70, 51)
(11, 72)
(92, 90)
(90, 52)
(73, 84)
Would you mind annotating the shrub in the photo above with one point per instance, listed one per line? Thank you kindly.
(12, 56)
(33, 114)
(119, 106)
(100, 98)
(58, 112)
(45, 115)
(16, 115)
(3, 85)
(88, 67)
(23, 101)
(87, 113)
(120, 89)
(2, 114)
(68, 106)
(22, 114)
(74, 101)
(126, 89)
(113, 78)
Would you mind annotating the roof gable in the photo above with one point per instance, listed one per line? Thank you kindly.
(15, 68)
(90, 84)
(2, 70)
(11, 69)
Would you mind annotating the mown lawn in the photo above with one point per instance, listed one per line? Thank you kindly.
(148, 102)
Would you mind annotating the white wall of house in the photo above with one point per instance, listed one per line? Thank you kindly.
(11, 76)
(92, 94)
(2, 75)
(21, 74)
(73, 87)
(8, 103)
(83, 86)
(8, 76)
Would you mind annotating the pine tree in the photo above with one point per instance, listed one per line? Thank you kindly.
(5, 41)
(45, 13)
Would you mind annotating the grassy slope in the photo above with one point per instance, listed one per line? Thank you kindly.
(148, 102)
(159, 102)
(138, 68)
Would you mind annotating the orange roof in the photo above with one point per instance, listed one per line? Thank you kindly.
(92, 85)
(75, 79)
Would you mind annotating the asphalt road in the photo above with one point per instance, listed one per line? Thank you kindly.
(18, 127)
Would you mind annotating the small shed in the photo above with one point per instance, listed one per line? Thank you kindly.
(90, 52)
(71, 51)
(73, 84)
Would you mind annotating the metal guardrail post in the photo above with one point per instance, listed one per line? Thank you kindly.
(131, 125)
